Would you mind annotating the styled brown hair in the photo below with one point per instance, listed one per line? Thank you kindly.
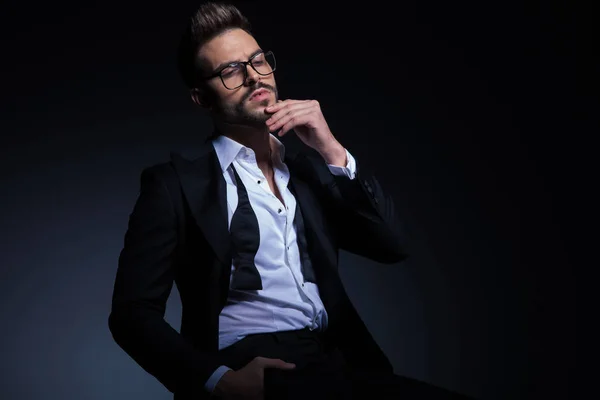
(209, 21)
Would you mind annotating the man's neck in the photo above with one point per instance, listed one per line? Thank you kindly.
(258, 139)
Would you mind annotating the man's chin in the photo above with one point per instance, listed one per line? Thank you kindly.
(257, 111)
(252, 104)
(255, 118)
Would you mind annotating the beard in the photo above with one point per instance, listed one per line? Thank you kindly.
(244, 113)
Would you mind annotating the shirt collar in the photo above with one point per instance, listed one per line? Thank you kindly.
(228, 150)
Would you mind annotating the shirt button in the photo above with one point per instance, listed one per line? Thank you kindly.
(258, 181)
(279, 211)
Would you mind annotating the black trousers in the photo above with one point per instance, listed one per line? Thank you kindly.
(321, 372)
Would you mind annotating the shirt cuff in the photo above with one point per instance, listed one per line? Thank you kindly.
(215, 377)
(349, 170)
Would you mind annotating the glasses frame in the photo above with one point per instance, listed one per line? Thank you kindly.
(245, 69)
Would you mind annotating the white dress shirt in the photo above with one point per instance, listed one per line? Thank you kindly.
(286, 301)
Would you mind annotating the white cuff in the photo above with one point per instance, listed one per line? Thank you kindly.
(215, 378)
(349, 170)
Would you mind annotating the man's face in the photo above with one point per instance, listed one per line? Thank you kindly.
(237, 106)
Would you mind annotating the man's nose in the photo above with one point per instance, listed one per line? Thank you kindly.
(251, 75)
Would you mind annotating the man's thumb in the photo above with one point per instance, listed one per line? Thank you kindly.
(277, 363)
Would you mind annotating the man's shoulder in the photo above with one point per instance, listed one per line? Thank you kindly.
(163, 170)
(180, 160)
(163, 174)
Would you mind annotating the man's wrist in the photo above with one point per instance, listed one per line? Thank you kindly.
(223, 383)
(334, 154)
(212, 381)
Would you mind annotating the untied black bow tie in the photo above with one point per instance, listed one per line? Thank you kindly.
(245, 240)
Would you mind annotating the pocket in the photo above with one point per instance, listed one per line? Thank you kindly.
(244, 350)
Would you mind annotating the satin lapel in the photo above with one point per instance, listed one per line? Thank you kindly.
(204, 188)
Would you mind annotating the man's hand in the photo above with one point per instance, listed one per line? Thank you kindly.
(307, 120)
(248, 381)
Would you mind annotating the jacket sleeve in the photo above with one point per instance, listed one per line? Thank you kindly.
(362, 214)
(143, 283)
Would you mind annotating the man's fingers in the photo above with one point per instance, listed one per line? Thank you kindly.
(293, 120)
(274, 363)
(285, 103)
(292, 116)
(280, 113)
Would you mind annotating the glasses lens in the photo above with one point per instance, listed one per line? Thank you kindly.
(233, 76)
(264, 63)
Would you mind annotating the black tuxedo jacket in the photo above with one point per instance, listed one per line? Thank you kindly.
(178, 232)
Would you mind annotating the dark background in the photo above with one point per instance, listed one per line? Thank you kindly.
(468, 113)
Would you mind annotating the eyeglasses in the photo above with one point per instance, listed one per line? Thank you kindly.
(235, 74)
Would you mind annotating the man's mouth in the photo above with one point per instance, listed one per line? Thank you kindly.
(259, 94)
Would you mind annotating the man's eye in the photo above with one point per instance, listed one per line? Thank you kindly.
(229, 71)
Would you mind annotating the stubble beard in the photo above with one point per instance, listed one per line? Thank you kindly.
(245, 113)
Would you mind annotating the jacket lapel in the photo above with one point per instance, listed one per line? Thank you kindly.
(204, 189)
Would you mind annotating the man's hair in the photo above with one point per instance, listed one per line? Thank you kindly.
(209, 21)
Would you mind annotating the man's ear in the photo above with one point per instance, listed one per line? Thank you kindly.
(200, 97)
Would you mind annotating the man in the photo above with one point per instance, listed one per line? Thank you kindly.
(251, 235)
